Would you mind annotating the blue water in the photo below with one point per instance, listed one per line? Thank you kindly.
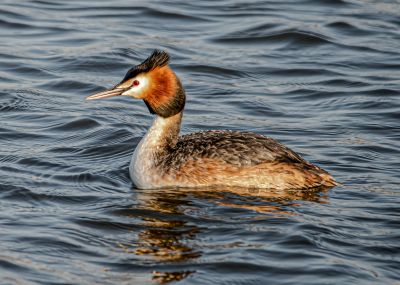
(323, 77)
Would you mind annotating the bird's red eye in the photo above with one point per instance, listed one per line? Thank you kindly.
(135, 82)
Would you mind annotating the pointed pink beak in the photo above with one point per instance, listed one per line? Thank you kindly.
(108, 93)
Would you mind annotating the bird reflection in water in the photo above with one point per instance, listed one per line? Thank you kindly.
(169, 238)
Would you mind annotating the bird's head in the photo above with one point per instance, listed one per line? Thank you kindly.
(154, 82)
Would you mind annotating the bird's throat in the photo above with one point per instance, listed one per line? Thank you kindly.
(163, 133)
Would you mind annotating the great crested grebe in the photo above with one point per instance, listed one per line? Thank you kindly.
(210, 158)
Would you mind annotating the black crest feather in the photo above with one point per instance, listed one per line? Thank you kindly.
(158, 58)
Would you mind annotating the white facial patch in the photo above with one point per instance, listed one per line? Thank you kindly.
(136, 90)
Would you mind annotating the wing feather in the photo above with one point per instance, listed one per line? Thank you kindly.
(232, 147)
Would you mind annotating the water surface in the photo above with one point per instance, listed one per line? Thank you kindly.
(323, 77)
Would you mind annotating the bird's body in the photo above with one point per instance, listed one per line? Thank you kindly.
(230, 158)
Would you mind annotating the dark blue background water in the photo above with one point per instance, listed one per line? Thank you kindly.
(323, 77)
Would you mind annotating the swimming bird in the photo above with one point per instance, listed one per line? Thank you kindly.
(163, 158)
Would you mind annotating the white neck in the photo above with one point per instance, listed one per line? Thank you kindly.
(162, 134)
